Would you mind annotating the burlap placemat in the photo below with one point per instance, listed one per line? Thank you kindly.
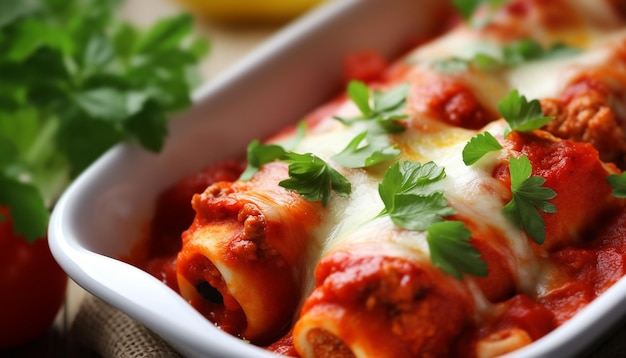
(109, 333)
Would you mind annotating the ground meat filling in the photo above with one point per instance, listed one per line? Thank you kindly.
(587, 113)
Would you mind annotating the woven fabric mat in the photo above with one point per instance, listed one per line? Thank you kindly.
(109, 333)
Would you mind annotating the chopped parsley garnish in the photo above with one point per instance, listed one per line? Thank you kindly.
(478, 146)
(618, 183)
(456, 64)
(412, 195)
(313, 178)
(450, 249)
(467, 7)
(385, 109)
(520, 114)
(527, 50)
(414, 200)
(309, 175)
(511, 55)
(366, 150)
(373, 146)
(529, 196)
(259, 154)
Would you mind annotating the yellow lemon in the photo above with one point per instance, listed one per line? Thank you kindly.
(242, 11)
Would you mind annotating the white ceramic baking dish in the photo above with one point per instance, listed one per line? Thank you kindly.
(107, 209)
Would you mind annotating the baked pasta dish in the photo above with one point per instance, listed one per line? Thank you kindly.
(463, 200)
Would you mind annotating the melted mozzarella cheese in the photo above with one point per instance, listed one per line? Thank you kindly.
(471, 190)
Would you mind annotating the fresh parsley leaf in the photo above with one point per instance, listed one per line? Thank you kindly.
(259, 154)
(412, 195)
(520, 114)
(527, 50)
(618, 183)
(529, 196)
(510, 55)
(365, 150)
(313, 178)
(292, 143)
(480, 61)
(478, 146)
(76, 80)
(450, 249)
(29, 213)
(417, 212)
(415, 201)
(387, 106)
(359, 93)
(467, 7)
(373, 145)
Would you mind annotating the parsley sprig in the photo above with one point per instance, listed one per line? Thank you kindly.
(310, 176)
(467, 7)
(313, 178)
(414, 200)
(373, 146)
(520, 115)
(412, 195)
(510, 55)
(529, 196)
(385, 107)
(450, 249)
(259, 154)
(618, 184)
(76, 80)
(365, 150)
(478, 146)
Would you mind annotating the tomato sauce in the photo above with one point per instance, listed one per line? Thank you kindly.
(589, 264)
(590, 267)
(173, 215)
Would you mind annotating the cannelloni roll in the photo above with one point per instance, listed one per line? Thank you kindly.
(241, 261)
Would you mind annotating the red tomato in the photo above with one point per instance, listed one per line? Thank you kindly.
(32, 287)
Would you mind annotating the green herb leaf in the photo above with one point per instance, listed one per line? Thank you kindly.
(359, 93)
(618, 183)
(521, 115)
(259, 154)
(467, 7)
(480, 61)
(511, 55)
(313, 178)
(357, 155)
(373, 145)
(29, 213)
(478, 146)
(387, 106)
(450, 249)
(414, 200)
(77, 80)
(529, 196)
(412, 195)
(527, 50)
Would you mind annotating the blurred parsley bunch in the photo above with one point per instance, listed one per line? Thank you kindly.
(76, 80)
